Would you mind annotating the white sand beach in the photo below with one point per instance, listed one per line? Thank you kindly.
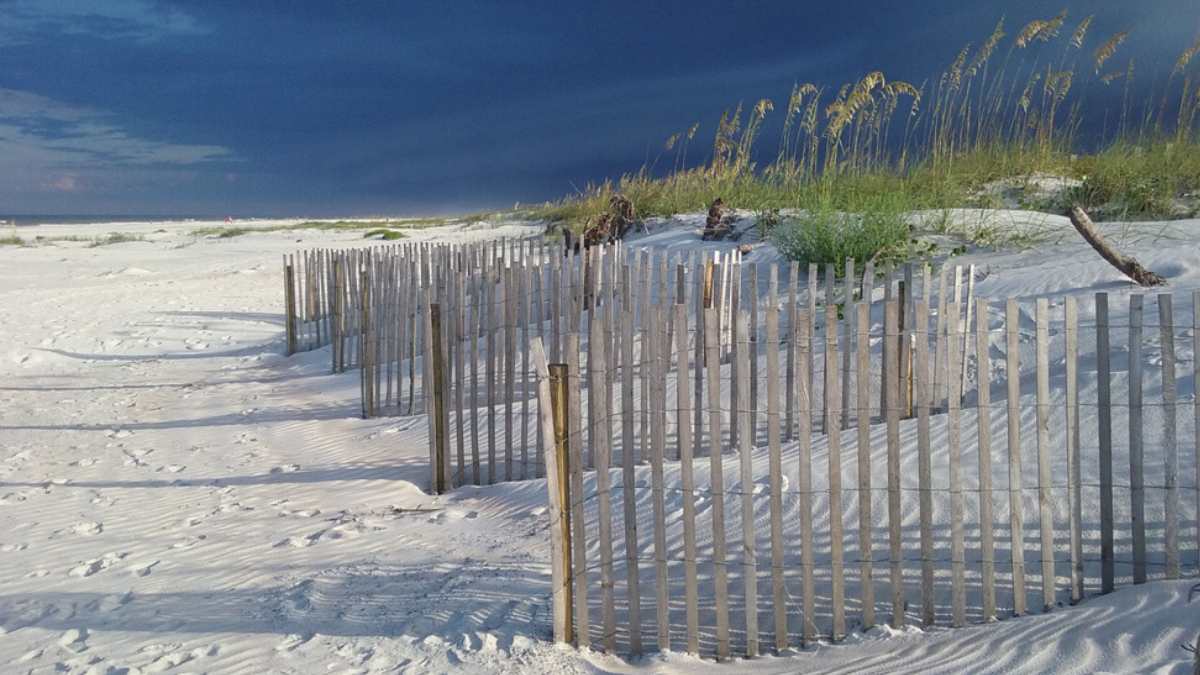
(178, 496)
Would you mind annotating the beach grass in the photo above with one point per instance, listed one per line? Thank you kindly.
(114, 238)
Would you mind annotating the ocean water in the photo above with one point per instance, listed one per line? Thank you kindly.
(27, 219)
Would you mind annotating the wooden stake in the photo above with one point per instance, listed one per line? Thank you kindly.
(553, 384)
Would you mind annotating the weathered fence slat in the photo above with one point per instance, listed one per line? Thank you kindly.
(1016, 522)
(892, 408)
(863, 421)
(778, 587)
(712, 359)
(1196, 411)
(1104, 410)
(1045, 497)
(1166, 325)
(598, 366)
(575, 462)
(954, 449)
(987, 545)
(657, 443)
(691, 595)
(629, 499)
(847, 327)
(833, 437)
(1074, 480)
(802, 335)
(1137, 489)
(924, 397)
(745, 447)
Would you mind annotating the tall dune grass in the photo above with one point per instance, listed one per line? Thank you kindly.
(1007, 105)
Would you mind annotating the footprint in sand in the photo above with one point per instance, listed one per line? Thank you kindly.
(95, 565)
(302, 541)
(285, 468)
(189, 542)
(74, 640)
(12, 548)
(292, 641)
(87, 529)
(143, 569)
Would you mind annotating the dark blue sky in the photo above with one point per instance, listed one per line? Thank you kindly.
(354, 107)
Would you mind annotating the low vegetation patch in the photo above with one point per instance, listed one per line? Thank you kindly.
(115, 238)
(384, 234)
(879, 232)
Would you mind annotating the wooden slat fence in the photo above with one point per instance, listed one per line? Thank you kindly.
(758, 456)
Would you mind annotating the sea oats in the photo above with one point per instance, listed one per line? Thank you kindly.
(1109, 48)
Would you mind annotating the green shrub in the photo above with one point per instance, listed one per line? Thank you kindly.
(826, 234)
(385, 234)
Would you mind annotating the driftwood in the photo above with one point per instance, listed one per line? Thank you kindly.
(719, 224)
(613, 224)
(1127, 266)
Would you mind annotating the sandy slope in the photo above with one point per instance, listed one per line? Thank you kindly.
(178, 497)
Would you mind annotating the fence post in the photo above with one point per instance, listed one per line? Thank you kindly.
(438, 382)
(289, 294)
(574, 417)
(365, 367)
(335, 318)
(552, 408)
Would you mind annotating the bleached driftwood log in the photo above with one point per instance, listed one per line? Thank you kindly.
(1128, 266)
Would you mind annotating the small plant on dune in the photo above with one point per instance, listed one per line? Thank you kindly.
(115, 238)
(766, 220)
(879, 232)
(384, 234)
(12, 240)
